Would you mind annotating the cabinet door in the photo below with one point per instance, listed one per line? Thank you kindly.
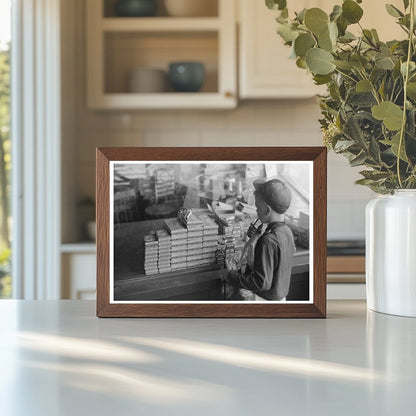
(78, 276)
(266, 71)
(376, 17)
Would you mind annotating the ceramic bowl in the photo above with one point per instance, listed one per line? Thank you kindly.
(135, 8)
(147, 80)
(186, 76)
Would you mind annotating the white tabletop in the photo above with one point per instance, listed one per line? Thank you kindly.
(57, 358)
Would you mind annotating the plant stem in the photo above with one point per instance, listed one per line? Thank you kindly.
(392, 91)
(346, 75)
(406, 79)
(373, 88)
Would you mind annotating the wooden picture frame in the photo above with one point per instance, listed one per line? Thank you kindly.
(118, 295)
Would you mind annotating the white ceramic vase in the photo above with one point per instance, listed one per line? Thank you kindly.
(391, 253)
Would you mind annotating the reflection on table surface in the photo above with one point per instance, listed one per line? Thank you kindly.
(355, 362)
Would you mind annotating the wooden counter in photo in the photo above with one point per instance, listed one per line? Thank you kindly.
(199, 283)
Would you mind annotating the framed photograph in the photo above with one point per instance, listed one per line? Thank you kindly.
(211, 232)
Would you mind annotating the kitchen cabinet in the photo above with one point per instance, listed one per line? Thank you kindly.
(78, 262)
(265, 70)
(118, 45)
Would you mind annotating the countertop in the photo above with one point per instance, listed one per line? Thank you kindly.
(57, 358)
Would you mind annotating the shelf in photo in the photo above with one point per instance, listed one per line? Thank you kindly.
(160, 24)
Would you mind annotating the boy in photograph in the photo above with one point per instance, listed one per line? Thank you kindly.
(268, 275)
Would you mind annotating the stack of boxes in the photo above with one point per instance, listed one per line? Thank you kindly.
(151, 253)
(164, 241)
(232, 244)
(195, 240)
(220, 252)
(209, 239)
(233, 241)
(164, 182)
(146, 188)
(179, 244)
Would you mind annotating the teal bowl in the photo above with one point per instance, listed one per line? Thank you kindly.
(135, 8)
(186, 76)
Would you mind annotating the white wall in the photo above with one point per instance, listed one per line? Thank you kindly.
(253, 123)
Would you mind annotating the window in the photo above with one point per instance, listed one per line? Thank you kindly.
(5, 144)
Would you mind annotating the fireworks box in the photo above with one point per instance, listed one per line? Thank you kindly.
(178, 266)
(165, 270)
(152, 271)
(178, 260)
(175, 228)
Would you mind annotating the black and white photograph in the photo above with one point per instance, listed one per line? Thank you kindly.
(211, 231)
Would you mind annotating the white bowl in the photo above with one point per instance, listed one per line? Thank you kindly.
(191, 8)
(147, 80)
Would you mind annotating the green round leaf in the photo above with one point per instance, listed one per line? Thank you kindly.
(344, 65)
(351, 11)
(393, 11)
(276, 4)
(327, 39)
(394, 143)
(301, 63)
(287, 33)
(363, 86)
(333, 32)
(336, 12)
(383, 62)
(301, 15)
(322, 79)
(411, 90)
(319, 61)
(316, 20)
(342, 25)
(358, 61)
(391, 114)
(375, 35)
(325, 42)
(303, 43)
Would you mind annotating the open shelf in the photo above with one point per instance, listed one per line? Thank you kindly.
(160, 24)
(118, 45)
(126, 51)
(167, 100)
(210, 9)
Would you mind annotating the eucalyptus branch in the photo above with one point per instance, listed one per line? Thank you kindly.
(392, 91)
(365, 61)
(404, 28)
(358, 45)
(369, 41)
(406, 79)
(398, 95)
(346, 75)
(373, 88)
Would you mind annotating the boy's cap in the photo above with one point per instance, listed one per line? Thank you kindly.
(275, 194)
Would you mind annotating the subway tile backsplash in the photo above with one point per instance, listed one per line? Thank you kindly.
(257, 123)
(346, 219)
